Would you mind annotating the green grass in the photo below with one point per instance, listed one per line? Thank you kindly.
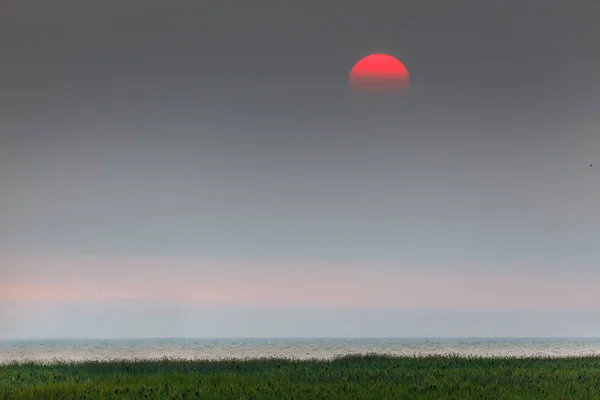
(352, 377)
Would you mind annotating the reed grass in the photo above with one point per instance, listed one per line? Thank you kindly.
(368, 376)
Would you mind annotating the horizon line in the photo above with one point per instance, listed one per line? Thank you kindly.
(296, 338)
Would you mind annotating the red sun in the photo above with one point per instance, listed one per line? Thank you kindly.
(379, 72)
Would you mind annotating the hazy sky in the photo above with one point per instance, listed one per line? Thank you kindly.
(200, 169)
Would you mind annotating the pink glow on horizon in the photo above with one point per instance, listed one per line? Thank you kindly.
(204, 283)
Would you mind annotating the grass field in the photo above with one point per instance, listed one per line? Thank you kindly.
(352, 377)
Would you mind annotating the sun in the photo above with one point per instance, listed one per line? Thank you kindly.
(379, 72)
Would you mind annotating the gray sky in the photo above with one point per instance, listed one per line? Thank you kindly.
(175, 142)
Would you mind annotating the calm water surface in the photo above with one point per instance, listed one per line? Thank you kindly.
(77, 350)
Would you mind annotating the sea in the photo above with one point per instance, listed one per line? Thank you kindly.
(50, 350)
